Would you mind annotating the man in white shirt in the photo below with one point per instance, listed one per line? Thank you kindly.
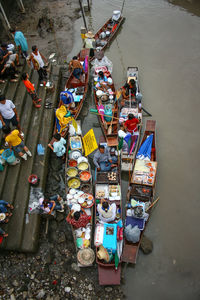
(8, 113)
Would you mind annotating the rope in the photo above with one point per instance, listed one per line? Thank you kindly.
(122, 6)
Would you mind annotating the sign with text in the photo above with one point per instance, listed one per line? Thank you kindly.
(89, 142)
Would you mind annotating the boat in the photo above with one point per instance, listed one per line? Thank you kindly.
(79, 90)
(141, 193)
(79, 194)
(130, 106)
(107, 107)
(108, 243)
(106, 33)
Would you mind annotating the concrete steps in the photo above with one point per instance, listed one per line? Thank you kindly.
(37, 125)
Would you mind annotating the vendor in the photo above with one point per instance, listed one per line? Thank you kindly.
(129, 90)
(103, 160)
(51, 204)
(58, 146)
(67, 99)
(78, 218)
(107, 212)
(131, 124)
(76, 67)
(102, 81)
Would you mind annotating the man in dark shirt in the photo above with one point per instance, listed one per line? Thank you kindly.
(6, 71)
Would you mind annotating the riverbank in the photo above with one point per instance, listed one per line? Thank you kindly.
(52, 272)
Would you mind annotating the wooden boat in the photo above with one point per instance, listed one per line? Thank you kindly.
(126, 107)
(84, 191)
(111, 27)
(109, 273)
(79, 89)
(109, 125)
(141, 191)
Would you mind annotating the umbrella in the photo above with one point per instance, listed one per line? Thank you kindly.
(145, 149)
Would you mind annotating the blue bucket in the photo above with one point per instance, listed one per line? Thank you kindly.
(9, 156)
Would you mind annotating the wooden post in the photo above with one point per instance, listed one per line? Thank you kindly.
(88, 2)
(4, 17)
(83, 14)
(21, 6)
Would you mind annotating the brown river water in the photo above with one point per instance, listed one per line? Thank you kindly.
(162, 38)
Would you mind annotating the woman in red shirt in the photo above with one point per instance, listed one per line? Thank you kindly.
(79, 219)
(131, 124)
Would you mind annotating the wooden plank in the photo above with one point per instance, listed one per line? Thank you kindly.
(109, 276)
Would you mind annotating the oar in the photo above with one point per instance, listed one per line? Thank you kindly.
(95, 111)
(150, 115)
(152, 204)
(110, 127)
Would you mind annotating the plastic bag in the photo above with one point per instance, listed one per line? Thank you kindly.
(103, 62)
(132, 233)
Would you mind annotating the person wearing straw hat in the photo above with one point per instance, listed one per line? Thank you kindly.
(89, 41)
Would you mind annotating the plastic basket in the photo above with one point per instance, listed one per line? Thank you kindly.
(9, 156)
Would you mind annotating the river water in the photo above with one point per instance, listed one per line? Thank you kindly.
(163, 40)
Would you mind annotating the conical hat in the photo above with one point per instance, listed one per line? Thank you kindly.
(89, 35)
(103, 254)
(86, 256)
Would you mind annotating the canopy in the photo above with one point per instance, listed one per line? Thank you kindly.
(145, 149)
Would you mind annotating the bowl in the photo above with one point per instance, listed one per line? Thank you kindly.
(71, 172)
(73, 182)
(85, 176)
(83, 166)
(81, 159)
(72, 191)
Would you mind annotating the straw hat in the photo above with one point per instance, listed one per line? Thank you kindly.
(89, 35)
(103, 254)
(2, 216)
(86, 256)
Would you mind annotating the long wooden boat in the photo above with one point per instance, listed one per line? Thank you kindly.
(143, 191)
(126, 107)
(111, 27)
(109, 125)
(79, 88)
(105, 182)
(79, 192)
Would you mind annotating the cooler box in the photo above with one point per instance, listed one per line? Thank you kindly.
(110, 237)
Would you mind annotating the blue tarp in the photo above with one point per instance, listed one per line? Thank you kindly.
(145, 149)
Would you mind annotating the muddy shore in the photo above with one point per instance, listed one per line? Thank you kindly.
(51, 273)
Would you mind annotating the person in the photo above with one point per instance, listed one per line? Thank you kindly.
(79, 218)
(102, 81)
(7, 72)
(37, 60)
(89, 41)
(4, 206)
(2, 233)
(67, 99)
(31, 90)
(8, 113)
(131, 124)
(129, 89)
(9, 57)
(102, 159)
(107, 212)
(15, 141)
(76, 67)
(20, 42)
(51, 204)
(58, 146)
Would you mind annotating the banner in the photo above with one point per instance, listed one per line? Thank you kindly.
(89, 142)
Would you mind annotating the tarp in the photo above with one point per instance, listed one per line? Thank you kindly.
(61, 120)
(145, 149)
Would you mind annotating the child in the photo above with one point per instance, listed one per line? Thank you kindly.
(31, 90)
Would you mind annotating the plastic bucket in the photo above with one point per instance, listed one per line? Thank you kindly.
(9, 156)
(33, 180)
